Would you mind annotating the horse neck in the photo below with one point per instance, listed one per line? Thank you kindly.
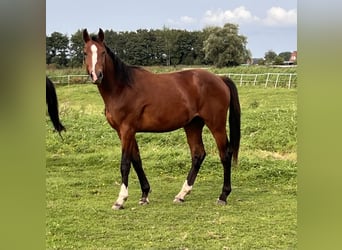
(110, 85)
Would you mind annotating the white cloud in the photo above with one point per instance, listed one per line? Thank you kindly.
(187, 19)
(277, 16)
(183, 21)
(220, 17)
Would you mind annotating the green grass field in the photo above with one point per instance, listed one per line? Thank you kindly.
(83, 181)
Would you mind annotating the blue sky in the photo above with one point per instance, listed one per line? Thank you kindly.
(267, 24)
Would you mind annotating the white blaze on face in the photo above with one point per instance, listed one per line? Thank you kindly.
(94, 61)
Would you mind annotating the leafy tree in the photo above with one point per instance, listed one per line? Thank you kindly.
(270, 57)
(162, 46)
(170, 38)
(50, 52)
(225, 47)
(76, 49)
(57, 48)
(143, 47)
(197, 51)
(117, 41)
(159, 50)
(278, 60)
(285, 55)
(214, 45)
(184, 48)
(261, 61)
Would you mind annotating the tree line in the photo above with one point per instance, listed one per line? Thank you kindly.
(219, 46)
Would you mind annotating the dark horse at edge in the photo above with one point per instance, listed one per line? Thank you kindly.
(52, 104)
(137, 100)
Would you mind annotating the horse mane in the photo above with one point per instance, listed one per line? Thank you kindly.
(122, 71)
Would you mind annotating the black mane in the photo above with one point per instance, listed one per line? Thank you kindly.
(122, 71)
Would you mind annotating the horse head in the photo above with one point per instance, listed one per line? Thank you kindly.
(94, 55)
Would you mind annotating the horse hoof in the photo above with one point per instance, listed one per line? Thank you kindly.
(144, 201)
(117, 206)
(178, 200)
(221, 202)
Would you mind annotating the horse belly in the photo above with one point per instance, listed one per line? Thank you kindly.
(164, 119)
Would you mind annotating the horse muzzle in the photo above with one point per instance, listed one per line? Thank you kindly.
(96, 77)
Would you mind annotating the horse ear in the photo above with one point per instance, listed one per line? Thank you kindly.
(86, 36)
(101, 35)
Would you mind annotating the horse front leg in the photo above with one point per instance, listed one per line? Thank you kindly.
(125, 169)
(127, 142)
(137, 165)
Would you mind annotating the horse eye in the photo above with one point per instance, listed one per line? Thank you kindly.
(85, 53)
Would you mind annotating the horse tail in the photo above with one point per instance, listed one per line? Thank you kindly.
(52, 103)
(234, 118)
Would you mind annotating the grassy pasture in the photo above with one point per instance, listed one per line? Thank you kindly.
(83, 180)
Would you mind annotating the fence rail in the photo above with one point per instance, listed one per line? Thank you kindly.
(287, 80)
(70, 79)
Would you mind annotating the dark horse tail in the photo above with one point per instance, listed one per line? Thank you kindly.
(234, 118)
(52, 103)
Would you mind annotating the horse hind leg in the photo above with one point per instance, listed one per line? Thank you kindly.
(226, 159)
(194, 137)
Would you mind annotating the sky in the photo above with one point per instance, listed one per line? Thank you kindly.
(267, 24)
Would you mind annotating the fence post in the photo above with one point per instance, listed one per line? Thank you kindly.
(268, 76)
(276, 83)
(290, 81)
(255, 79)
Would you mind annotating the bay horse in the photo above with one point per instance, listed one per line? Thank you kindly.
(137, 100)
(52, 104)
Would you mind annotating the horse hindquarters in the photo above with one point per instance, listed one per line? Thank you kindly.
(228, 148)
(234, 118)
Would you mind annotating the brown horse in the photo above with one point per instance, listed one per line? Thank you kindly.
(137, 100)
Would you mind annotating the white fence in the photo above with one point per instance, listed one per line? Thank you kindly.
(70, 79)
(275, 80)
(285, 80)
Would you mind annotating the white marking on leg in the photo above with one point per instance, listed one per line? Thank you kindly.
(123, 195)
(144, 201)
(93, 60)
(186, 189)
